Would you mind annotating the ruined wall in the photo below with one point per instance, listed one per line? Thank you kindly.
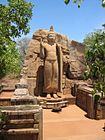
(85, 100)
(73, 59)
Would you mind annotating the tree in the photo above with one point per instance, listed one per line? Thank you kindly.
(90, 38)
(22, 45)
(14, 19)
(12, 60)
(95, 57)
(78, 2)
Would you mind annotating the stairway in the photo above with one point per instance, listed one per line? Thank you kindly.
(24, 122)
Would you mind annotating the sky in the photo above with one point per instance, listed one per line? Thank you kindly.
(69, 20)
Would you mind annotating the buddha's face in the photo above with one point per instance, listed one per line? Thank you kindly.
(51, 37)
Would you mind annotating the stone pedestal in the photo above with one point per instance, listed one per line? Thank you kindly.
(63, 101)
(21, 94)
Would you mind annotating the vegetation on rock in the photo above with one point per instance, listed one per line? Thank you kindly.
(3, 120)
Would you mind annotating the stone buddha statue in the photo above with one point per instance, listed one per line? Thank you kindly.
(51, 53)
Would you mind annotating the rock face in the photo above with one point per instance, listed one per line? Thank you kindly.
(77, 60)
(73, 61)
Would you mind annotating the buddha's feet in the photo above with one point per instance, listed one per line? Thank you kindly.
(48, 96)
(55, 96)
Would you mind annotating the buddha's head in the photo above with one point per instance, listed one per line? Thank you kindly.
(51, 35)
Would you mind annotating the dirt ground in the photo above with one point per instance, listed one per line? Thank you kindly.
(71, 124)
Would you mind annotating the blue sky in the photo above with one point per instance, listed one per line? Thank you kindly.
(68, 20)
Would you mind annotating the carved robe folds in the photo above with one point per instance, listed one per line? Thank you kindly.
(52, 68)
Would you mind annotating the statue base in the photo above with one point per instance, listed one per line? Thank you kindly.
(59, 102)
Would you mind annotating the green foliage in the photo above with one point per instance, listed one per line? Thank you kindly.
(95, 57)
(66, 1)
(1, 87)
(78, 2)
(10, 61)
(14, 19)
(3, 119)
(103, 3)
(96, 99)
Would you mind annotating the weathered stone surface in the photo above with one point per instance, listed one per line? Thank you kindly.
(21, 92)
(100, 110)
(21, 88)
(85, 100)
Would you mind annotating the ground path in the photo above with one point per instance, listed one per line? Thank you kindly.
(71, 124)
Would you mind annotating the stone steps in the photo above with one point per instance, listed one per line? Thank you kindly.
(20, 131)
(22, 120)
(49, 105)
